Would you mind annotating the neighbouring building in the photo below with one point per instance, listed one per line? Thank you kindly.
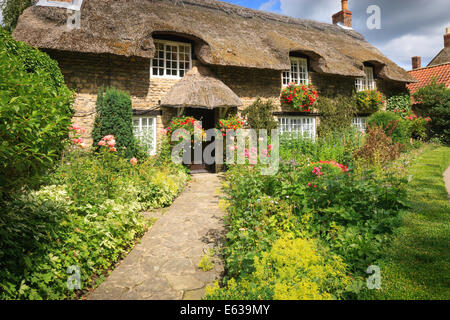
(203, 58)
(438, 68)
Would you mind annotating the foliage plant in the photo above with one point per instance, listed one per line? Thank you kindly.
(11, 10)
(392, 124)
(89, 216)
(300, 97)
(259, 115)
(378, 147)
(293, 269)
(320, 192)
(115, 117)
(337, 114)
(434, 102)
(35, 114)
(400, 104)
(369, 101)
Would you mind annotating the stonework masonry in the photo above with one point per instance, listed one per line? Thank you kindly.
(86, 73)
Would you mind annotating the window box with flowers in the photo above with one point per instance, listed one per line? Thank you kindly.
(300, 97)
(369, 101)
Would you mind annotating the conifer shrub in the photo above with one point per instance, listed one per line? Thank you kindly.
(115, 117)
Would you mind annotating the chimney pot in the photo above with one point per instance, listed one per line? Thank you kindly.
(344, 5)
(447, 38)
(344, 16)
(416, 63)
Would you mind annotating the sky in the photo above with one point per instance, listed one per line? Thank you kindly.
(408, 27)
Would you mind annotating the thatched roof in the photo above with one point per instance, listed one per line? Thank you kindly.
(199, 88)
(224, 34)
(441, 58)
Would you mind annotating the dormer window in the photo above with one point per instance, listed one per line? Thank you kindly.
(367, 82)
(298, 73)
(172, 59)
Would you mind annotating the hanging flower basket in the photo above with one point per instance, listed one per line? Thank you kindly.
(300, 97)
(369, 101)
(231, 123)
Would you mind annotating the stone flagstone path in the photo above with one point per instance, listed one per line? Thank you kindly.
(164, 265)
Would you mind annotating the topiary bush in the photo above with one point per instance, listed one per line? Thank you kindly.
(35, 114)
(115, 117)
(392, 124)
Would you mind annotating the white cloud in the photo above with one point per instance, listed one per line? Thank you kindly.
(409, 27)
(269, 5)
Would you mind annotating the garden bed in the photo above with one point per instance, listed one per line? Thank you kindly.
(60, 240)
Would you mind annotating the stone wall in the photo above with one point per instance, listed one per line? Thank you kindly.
(86, 73)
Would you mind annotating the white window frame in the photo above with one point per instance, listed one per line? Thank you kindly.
(140, 132)
(298, 73)
(367, 82)
(305, 126)
(72, 5)
(178, 45)
(360, 123)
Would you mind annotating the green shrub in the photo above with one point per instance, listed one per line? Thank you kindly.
(35, 114)
(115, 117)
(337, 114)
(434, 102)
(392, 124)
(259, 115)
(89, 217)
(369, 101)
(378, 147)
(11, 11)
(400, 104)
(293, 269)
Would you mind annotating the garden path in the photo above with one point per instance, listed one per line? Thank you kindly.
(164, 265)
(447, 181)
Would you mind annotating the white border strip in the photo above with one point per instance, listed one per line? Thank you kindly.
(73, 5)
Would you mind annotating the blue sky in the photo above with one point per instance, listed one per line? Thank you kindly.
(408, 27)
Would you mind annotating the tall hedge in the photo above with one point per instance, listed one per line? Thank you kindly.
(35, 113)
(115, 117)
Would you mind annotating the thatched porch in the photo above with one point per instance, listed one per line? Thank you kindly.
(202, 95)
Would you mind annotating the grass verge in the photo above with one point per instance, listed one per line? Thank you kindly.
(417, 265)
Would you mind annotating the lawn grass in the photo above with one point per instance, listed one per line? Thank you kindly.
(417, 264)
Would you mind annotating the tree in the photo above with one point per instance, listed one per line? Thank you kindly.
(11, 11)
(115, 117)
(434, 100)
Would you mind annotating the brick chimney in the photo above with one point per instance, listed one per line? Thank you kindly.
(447, 38)
(344, 16)
(416, 63)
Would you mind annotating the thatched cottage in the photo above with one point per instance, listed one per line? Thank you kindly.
(202, 57)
